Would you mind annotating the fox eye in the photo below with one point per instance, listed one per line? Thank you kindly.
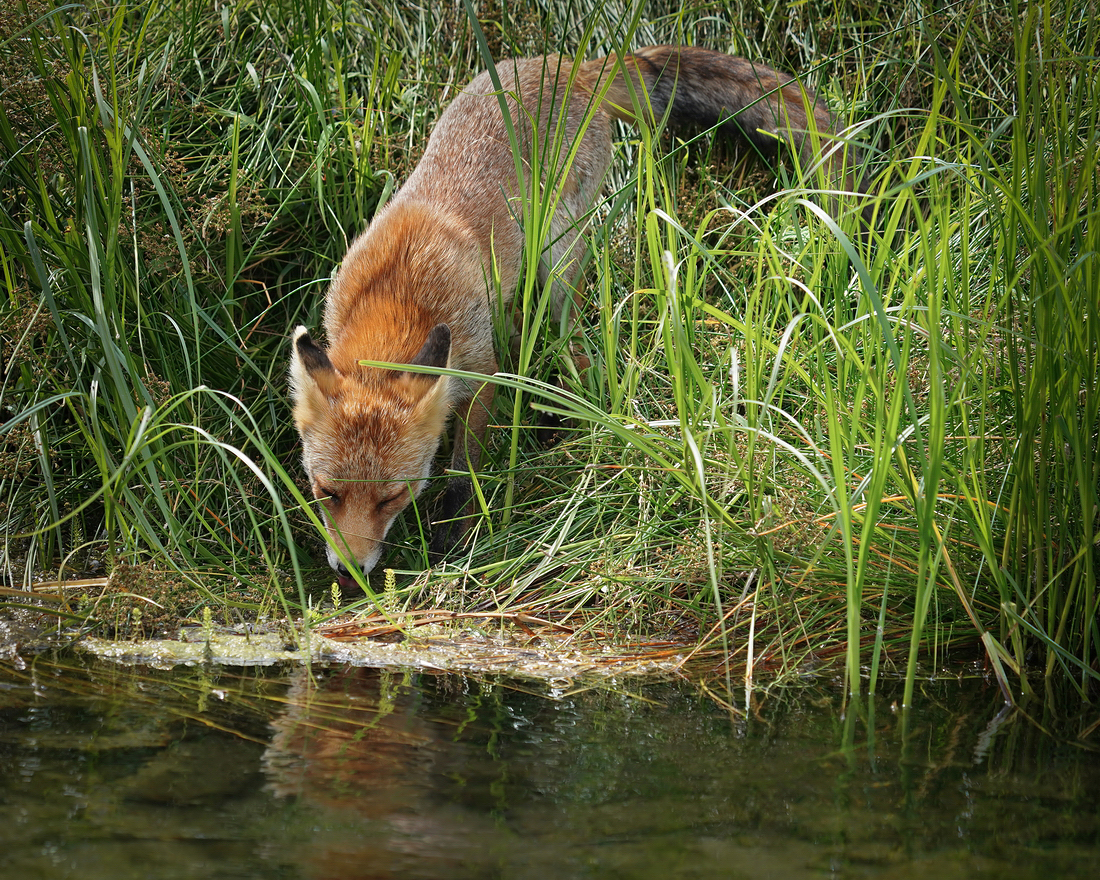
(393, 499)
(329, 495)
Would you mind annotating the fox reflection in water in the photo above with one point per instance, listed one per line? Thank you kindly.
(366, 767)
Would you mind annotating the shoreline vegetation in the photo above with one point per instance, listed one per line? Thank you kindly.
(801, 441)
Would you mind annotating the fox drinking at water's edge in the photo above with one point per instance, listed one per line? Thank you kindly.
(419, 286)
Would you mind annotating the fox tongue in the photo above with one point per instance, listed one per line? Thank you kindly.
(345, 582)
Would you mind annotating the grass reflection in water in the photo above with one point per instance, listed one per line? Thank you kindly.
(354, 772)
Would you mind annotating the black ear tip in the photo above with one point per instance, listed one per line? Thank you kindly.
(436, 349)
(311, 355)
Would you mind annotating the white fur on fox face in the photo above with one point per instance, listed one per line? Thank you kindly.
(366, 564)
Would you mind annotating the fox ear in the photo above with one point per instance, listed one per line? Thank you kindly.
(436, 353)
(309, 365)
(314, 381)
(436, 350)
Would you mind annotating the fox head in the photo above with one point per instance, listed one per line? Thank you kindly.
(369, 437)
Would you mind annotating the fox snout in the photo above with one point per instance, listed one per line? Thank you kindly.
(343, 573)
(358, 517)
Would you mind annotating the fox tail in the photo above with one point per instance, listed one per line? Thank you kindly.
(700, 88)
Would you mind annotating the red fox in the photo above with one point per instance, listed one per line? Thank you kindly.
(420, 284)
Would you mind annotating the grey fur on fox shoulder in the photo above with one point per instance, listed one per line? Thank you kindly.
(413, 288)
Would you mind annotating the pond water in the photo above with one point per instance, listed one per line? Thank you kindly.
(116, 771)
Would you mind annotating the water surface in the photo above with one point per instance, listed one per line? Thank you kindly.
(115, 772)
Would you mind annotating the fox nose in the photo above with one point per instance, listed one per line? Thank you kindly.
(344, 576)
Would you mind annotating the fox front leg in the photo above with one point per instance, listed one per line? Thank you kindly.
(455, 510)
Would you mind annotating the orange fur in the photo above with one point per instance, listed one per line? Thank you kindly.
(415, 287)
